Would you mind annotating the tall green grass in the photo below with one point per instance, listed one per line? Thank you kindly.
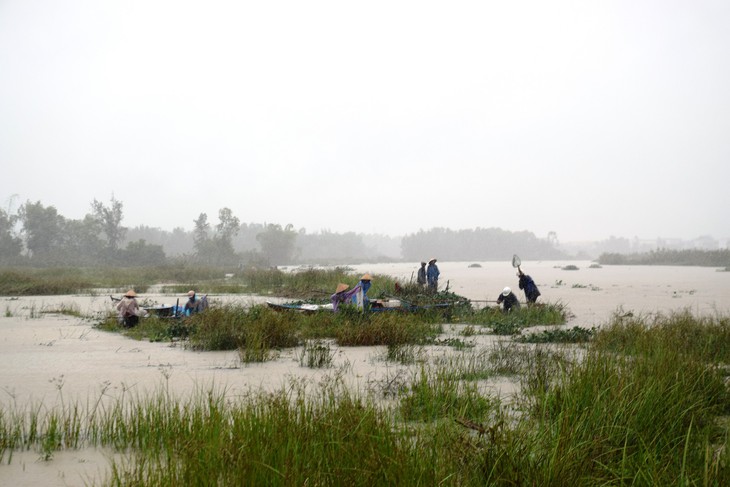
(306, 284)
(257, 331)
(645, 402)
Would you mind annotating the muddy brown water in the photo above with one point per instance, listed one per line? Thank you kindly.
(51, 359)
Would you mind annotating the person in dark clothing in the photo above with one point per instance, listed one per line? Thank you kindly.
(195, 304)
(421, 279)
(508, 300)
(529, 286)
(432, 275)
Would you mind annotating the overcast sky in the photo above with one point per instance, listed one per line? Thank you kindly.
(588, 118)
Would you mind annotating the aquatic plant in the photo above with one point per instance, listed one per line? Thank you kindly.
(316, 354)
(576, 334)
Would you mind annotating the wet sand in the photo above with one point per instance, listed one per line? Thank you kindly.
(54, 358)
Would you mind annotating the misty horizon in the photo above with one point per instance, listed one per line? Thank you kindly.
(589, 120)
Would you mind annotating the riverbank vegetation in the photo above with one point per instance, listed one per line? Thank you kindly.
(303, 283)
(243, 327)
(688, 257)
(645, 401)
(259, 328)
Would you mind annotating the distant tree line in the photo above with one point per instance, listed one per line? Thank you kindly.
(478, 244)
(693, 257)
(38, 235)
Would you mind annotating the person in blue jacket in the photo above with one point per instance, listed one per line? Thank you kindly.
(528, 286)
(194, 304)
(357, 296)
(432, 275)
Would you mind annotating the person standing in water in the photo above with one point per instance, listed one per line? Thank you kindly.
(432, 275)
(195, 304)
(421, 279)
(128, 309)
(528, 286)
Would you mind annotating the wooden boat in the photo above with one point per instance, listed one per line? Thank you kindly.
(376, 306)
(300, 307)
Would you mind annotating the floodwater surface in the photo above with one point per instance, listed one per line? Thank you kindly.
(50, 358)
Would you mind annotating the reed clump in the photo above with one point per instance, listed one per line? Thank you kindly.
(501, 323)
(434, 394)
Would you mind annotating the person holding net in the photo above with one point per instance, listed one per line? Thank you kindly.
(525, 282)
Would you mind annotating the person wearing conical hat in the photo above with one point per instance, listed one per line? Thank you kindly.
(128, 310)
(340, 296)
(356, 295)
(360, 297)
(432, 275)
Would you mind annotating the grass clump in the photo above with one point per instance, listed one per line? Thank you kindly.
(316, 354)
(645, 409)
(524, 316)
(390, 329)
(71, 309)
(434, 394)
(572, 335)
(256, 331)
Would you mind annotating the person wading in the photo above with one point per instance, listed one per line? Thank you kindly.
(432, 275)
(128, 309)
(528, 286)
(421, 279)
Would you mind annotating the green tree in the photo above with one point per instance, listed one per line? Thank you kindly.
(277, 243)
(217, 250)
(80, 241)
(142, 253)
(110, 217)
(226, 229)
(42, 228)
(228, 225)
(11, 245)
(203, 244)
(200, 234)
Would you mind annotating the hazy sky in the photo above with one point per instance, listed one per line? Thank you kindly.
(587, 118)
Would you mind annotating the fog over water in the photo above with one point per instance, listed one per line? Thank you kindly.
(588, 119)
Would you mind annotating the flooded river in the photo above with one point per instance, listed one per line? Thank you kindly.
(51, 358)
